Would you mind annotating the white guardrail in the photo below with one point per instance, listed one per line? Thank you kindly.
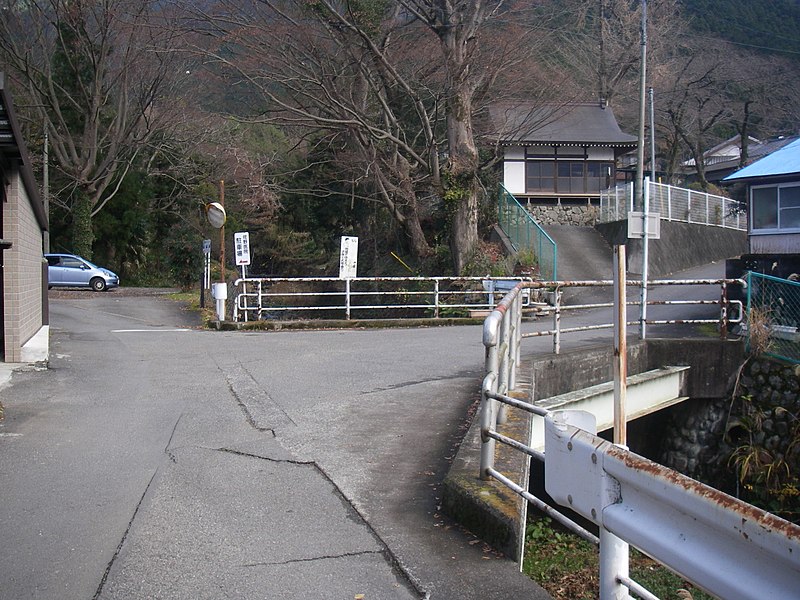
(731, 549)
(674, 204)
(258, 298)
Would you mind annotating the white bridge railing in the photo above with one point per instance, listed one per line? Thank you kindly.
(674, 204)
(721, 544)
(281, 298)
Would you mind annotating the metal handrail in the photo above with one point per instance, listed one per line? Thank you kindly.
(265, 297)
(526, 234)
(502, 340)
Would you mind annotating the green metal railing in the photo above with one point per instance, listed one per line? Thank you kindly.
(526, 234)
(773, 316)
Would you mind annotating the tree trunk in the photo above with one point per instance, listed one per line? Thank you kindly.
(461, 185)
(464, 232)
(82, 232)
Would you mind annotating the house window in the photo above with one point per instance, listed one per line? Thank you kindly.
(570, 177)
(598, 176)
(539, 176)
(775, 208)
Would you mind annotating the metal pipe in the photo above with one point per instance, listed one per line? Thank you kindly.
(487, 420)
(557, 321)
(545, 508)
(645, 260)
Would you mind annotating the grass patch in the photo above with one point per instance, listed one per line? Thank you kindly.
(191, 300)
(567, 566)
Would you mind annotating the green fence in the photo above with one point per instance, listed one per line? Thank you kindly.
(526, 234)
(773, 316)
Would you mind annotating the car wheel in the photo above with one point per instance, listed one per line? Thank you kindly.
(98, 285)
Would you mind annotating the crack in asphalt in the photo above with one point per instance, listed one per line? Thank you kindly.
(405, 384)
(106, 573)
(316, 558)
(289, 461)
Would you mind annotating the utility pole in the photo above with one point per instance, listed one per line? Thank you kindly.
(642, 103)
(46, 189)
(652, 138)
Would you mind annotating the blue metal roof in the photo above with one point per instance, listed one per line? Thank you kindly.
(784, 161)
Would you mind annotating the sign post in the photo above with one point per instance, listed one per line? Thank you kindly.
(206, 280)
(348, 258)
(645, 226)
(241, 242)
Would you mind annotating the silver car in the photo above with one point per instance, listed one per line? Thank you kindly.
(68, 270)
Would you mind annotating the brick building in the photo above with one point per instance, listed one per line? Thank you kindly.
(23, 270)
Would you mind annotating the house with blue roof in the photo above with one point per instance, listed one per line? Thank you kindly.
(773, 199)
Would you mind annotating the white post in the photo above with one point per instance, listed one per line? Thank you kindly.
(220, 293)
(645, 259)
(347, 298)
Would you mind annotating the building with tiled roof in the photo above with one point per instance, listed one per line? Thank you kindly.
(559, 153)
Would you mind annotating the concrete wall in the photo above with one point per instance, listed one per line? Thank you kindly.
(491, 511)
(22, 269)
(682, 245)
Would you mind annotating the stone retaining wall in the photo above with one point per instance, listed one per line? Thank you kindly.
(579, 215)
(761, 413)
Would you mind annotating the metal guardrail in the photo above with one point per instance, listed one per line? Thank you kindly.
(721, 544)
(674, 204)
(557, 309)
(526, 234)
(258, 298)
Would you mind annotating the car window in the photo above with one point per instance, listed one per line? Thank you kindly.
(53, 260)
(73, 263)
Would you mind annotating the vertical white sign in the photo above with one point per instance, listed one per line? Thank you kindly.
(241, 241)
(348, 258)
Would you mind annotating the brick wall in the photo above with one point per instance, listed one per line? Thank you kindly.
(22, 270)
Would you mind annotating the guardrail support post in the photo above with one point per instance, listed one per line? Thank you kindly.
(557, 321)
(347, 298)
(614, 562)
(723, 312)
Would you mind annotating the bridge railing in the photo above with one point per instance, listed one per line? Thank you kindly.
(674, 204)
(281, 298)
(696, 531)
(526, 234)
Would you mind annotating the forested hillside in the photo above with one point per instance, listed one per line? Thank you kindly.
(354, 117)
(772, 26)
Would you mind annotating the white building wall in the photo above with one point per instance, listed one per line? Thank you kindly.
(22, 271)
(514, 177)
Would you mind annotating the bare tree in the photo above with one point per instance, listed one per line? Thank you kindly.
(94, 73)
(600, 41)
(391, 85)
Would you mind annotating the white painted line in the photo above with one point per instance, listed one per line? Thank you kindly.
(147, 330)
(4, 435)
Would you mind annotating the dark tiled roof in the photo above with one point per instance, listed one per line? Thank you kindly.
(572, 124)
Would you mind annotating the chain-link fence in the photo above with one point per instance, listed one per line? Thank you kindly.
(773, 316)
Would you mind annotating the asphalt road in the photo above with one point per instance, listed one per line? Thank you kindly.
(157, 460)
